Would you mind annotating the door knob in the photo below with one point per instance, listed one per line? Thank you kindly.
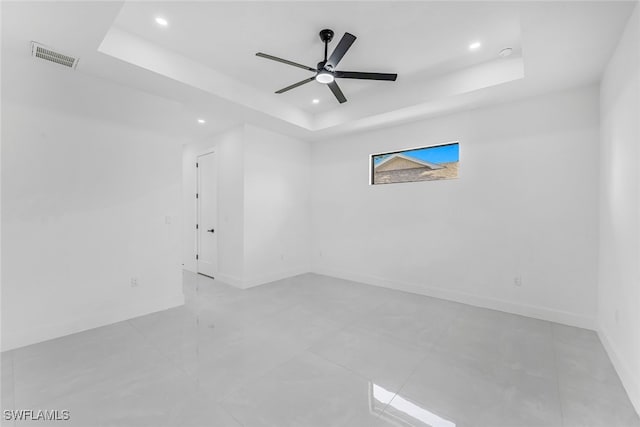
(211, 231)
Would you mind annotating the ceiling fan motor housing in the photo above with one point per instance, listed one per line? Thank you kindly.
(326, 35)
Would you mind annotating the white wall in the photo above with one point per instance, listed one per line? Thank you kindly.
(229, 147)
(85, 206)
(277, 206)
(263, 202)
(525, 204)
(619, 272)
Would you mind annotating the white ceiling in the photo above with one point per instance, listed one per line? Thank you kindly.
(407, 38)
(204, 63)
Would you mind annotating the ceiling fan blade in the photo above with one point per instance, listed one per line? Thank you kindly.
(295, 85)
(284, 61)
(337, 92)
(343, 46)
(365, 76)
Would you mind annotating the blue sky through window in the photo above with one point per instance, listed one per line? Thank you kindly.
(438, 154)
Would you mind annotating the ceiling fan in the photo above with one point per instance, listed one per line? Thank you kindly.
(326, 71)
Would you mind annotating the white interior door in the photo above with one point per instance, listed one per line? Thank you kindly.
(207, 200)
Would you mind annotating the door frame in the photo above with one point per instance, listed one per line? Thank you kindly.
(197, 210)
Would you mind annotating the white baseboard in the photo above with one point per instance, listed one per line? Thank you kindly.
(92, 320)
(262, 279)
(630, 383)
(230, 280)
(272, 277)
(536, 312)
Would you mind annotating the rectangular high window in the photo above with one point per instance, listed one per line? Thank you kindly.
(416, 164)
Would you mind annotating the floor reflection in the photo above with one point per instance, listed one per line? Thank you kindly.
(404, 413)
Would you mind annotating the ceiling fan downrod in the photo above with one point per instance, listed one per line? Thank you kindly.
(326, 36)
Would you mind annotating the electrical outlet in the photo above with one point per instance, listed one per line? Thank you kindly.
(134, 282)
(517, 281)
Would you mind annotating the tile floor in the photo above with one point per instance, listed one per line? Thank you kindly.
(319, 351)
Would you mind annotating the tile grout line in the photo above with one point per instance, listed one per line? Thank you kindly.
(177, 365)
(228, 412)
(354, 373)
(557, 372)
(268, 371)
(172, 362)
(446, 329)
(354, 322)
(368, 379)
(185, 373)
(253, 322)
(13, 383)
(13, 387)
(296, 354)
(157, 350)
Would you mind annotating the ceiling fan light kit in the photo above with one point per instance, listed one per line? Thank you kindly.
(326, 72)
(324, 77)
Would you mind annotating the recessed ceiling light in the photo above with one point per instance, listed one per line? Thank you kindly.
(202, 121)
(507, 51)
(475, 45)
(161, 21)
(315, 101)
